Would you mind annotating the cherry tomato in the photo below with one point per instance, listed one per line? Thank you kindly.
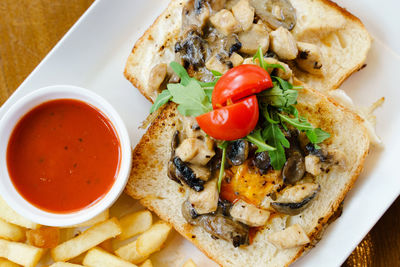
(240, 82)
(231, 122)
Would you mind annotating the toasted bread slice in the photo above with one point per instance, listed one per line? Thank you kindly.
(341, 37)
(149, 183)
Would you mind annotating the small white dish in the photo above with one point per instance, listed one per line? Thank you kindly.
(23, 106)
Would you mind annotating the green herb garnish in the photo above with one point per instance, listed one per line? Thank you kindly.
(192, 96)
(223, 145)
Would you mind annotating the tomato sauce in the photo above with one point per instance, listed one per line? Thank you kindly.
(63, 156)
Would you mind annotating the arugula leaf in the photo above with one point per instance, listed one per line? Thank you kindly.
(285, 85)
(291, 110)
(192, 99)
(274, 136)
(161, 99)
(222, 146)
(263, 64)
(216, 73)
(208, 93)
(181, 72)
(267, 116)
(277, 97)
(300, 123)
(256, 138)
(317, 135)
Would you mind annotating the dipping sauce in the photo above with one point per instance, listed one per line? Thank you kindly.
(63, 156)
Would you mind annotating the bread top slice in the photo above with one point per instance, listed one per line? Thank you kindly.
(149, 183)
(342, 38)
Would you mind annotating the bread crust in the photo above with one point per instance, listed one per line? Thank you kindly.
(147, 147)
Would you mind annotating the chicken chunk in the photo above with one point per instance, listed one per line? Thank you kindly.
(236, 59)
(256, 36)
(201, 172)
(249, 214)
(205, 201)
(214, 63)
(187, 150)
(196, 151)
(244, 13)
(309, 58)
(291, 237)
(313, 164)
(283, 44)
(284, 74)
(225, 22)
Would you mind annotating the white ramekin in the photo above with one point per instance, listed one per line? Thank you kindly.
(12, 117)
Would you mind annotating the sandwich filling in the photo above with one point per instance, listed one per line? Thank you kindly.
(242, 149)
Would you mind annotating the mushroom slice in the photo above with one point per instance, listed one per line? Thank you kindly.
(291, 237)
(277, 13)
(262, 161)
(295, 199)
(192, 48)
(205, 201)
(157, 76)
(249, 214)
(184, 173)
(238, 152)
(294, 168)
(217, 225)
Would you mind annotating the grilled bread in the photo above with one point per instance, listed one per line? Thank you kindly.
(150, 184)
(341, 38)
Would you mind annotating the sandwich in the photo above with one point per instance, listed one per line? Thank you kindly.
(242, 157)
(332, 43)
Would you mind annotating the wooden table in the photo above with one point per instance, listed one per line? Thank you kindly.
(30, 28)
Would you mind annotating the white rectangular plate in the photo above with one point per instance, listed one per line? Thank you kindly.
(93, 54)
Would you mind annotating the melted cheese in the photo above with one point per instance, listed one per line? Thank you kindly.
(250, 185)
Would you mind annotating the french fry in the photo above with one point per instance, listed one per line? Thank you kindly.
(189, 263)
(153, 239)
(135, 223)
(97, 257)
(11, 231)
(147, 263)
(85, 241)
(99, 218)
(20, 253)
(45, 237)
(9, 215)
(65, 264)
(7, 263)
(129, 253)
(106, 245)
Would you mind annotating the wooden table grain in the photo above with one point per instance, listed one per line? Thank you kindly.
(30, 28)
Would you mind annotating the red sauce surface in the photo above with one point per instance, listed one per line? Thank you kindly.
(63, 156)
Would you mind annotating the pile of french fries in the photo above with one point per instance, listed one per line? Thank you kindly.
(23, 242)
